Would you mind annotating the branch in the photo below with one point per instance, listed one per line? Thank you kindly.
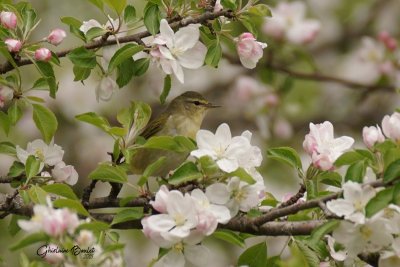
(130, 38)
(326, 78)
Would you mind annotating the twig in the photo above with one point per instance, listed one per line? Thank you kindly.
(294, 198)
(87, 192)
(130, 38)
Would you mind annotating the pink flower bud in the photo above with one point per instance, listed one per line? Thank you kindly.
(249, 50)
(8, 20)
(65, 174)
(51, 253)
(56, 36)
(42, 54)
(218, 6)
(372, 135)
(13, 45)
(387, 40)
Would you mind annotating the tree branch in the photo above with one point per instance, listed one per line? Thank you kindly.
(130, 38)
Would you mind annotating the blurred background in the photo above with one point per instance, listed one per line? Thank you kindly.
(276, 107)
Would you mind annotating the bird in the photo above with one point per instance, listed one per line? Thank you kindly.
(183, 116)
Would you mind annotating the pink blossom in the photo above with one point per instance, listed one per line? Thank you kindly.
(42, 54)
(388, 40)
(65, 173)
(372, 135)
(218, 6)
(51, 254)
(323, 148)
(249, 50)
(56, 36)
(13, 45)
(8, 20)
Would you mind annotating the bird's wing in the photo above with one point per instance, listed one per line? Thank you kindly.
(154, 126)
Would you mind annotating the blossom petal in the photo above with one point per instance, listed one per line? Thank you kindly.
(197, 255)
(167, 33)
(340, 207)
(218, 193)
(171, 259)
(194, 57)
(187, 37)
(228, 165)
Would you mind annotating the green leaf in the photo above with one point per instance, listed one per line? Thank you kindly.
(208, 165)
(125, 72)
(129, 14)
(318, 233)
(254, 256)
(214, 54)
(5, 122)
(230, 237)
(166, 89)
(45, 121)
(117, 5)
(98, 3)
(168, 143)
(356, 172)
(391, 155)
(8, 148)
(94, 119)
(129, 214)
(243, 175)
(109, 173)
(61, 190)
(71, 204)
(16, 169)
(81, 74)
(37, 195)
(94, 226)
(124, 201)
(13, 227)
(304, 254)
(152, 18)
(392, 172)
(36, 99)
(330, 178)
(185, 173)
(14, 112)
(46, 70)
(82, 57)
(29, 240)
(287, 155)
(140, 66)
(151, 169)
(379, 202)
(70, 21)
(94, 32)
(261, 10)
(122, 54)
(32, 166)
(229, 4)
(249, 24)
(349, 158)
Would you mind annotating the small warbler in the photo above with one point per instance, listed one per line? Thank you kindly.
(183, 116)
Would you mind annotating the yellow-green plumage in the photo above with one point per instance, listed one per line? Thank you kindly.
(183, 116)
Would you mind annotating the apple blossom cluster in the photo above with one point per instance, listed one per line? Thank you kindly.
(360, 234)
(323, 147)
(175, 51)
(16, 42)
(288, 22)
(390, 126)
(380, 55)
(50, 157)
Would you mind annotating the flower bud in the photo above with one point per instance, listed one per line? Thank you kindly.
(249, 50)
(218, 6)
(6, 94)
(56, 36)
(42, 54)
(105, 89)
(85, 238)
(372, 135)
(51, 254)
(13, 45)
(65, 173)
(387, 40)
(391, 126)
(8, 20)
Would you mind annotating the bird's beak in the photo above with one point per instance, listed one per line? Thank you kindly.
(211, 105)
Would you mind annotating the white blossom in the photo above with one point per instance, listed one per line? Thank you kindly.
(391, 126)
(65, 173)
(229, 152)
(176, 50)
(352, 206)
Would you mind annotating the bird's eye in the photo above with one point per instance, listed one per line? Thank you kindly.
(196, 103)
